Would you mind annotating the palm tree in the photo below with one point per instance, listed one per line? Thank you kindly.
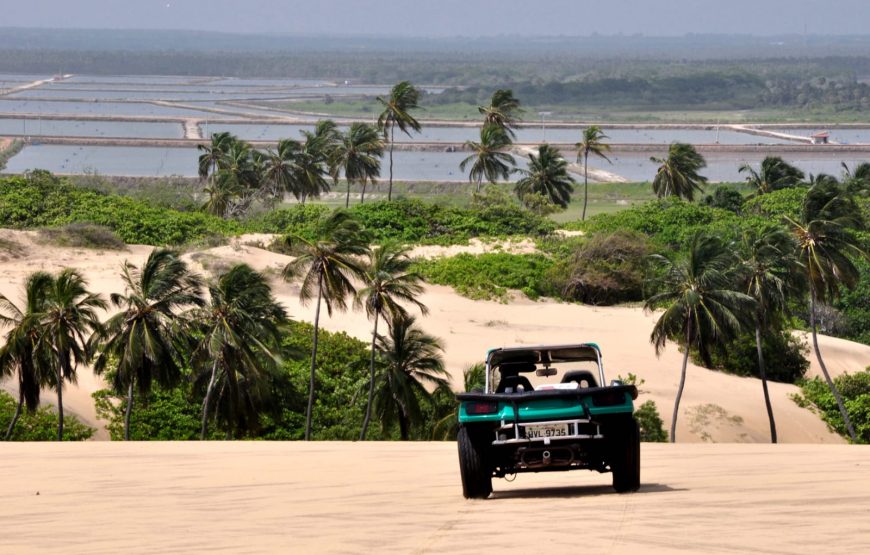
(214, 153)
(328, 137)
(388, 282)
(240, 329)
(857, 180)
(547, 175)
(20, 354)
(237, 178)
(358, 154)
(489, 161)
(69, 314)
(397, 113)
(768, 275)
(825, 243)
(279, 171)
(775, 174)
(502, 112)
(411, 359)
(143, 339)
(327, 267)
(678, 173)
(701, 308)
(591, 143)
(312, 166)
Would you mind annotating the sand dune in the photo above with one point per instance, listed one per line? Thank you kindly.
(716, 407)
(258, 497)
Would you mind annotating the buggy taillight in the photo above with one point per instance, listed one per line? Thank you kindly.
(481, 408)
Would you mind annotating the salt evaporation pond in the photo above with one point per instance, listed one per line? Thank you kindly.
(133, 79)
(79, 128)
(101, 95)
(420, 166)
(457, 134)
(110, 160)
(147, 161)
(95, 108)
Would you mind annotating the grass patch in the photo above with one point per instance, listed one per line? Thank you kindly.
(10, 249)
(83, 235)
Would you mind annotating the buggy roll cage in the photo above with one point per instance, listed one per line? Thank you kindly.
(546, 355)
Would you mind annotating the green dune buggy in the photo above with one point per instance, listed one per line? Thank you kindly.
(545, 409)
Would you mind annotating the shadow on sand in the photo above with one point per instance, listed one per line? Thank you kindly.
(575, 491)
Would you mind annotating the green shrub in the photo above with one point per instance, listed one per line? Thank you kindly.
(490, 275)
(414, 221)
(777, 204)
(854, 305)
(300, 219)
(167, 415)
(83, 235)
(670, 221)
(726, 198)
(784, 356)
(40, 425)
(855, 389)
(605, 270)
(652, 428)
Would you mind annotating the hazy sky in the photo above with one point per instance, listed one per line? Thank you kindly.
(449, 17)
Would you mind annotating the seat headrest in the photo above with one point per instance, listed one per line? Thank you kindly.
(516, 367)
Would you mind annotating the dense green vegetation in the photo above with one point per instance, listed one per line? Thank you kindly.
(855, 389)
(40, 425)
(488, 276)
(342, 370)
(40, 199)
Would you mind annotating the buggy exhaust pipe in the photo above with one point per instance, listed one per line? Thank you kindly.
(546, 458)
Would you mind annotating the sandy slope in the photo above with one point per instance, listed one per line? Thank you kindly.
(257, 497)
(716, 407)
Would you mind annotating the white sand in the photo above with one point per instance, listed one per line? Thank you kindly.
(716, 407)
(262, 497)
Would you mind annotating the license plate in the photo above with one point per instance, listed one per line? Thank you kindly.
(546, 430)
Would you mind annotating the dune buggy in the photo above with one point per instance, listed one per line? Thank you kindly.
(544, 409)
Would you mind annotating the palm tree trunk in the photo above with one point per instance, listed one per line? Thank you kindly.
(347, 198)
(404, 434)
(479, 181)
(365, 426)
(585, 183)
(232, 421)
(761, 371)
(16, 415)
(128, 412)
(682, 378)
(392, 136)
(310, 409)
(207, 401)
(362, 196)
(831, 386)
(60, 372)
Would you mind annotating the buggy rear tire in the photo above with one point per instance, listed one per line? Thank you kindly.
(625, 458)
(475, 472)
